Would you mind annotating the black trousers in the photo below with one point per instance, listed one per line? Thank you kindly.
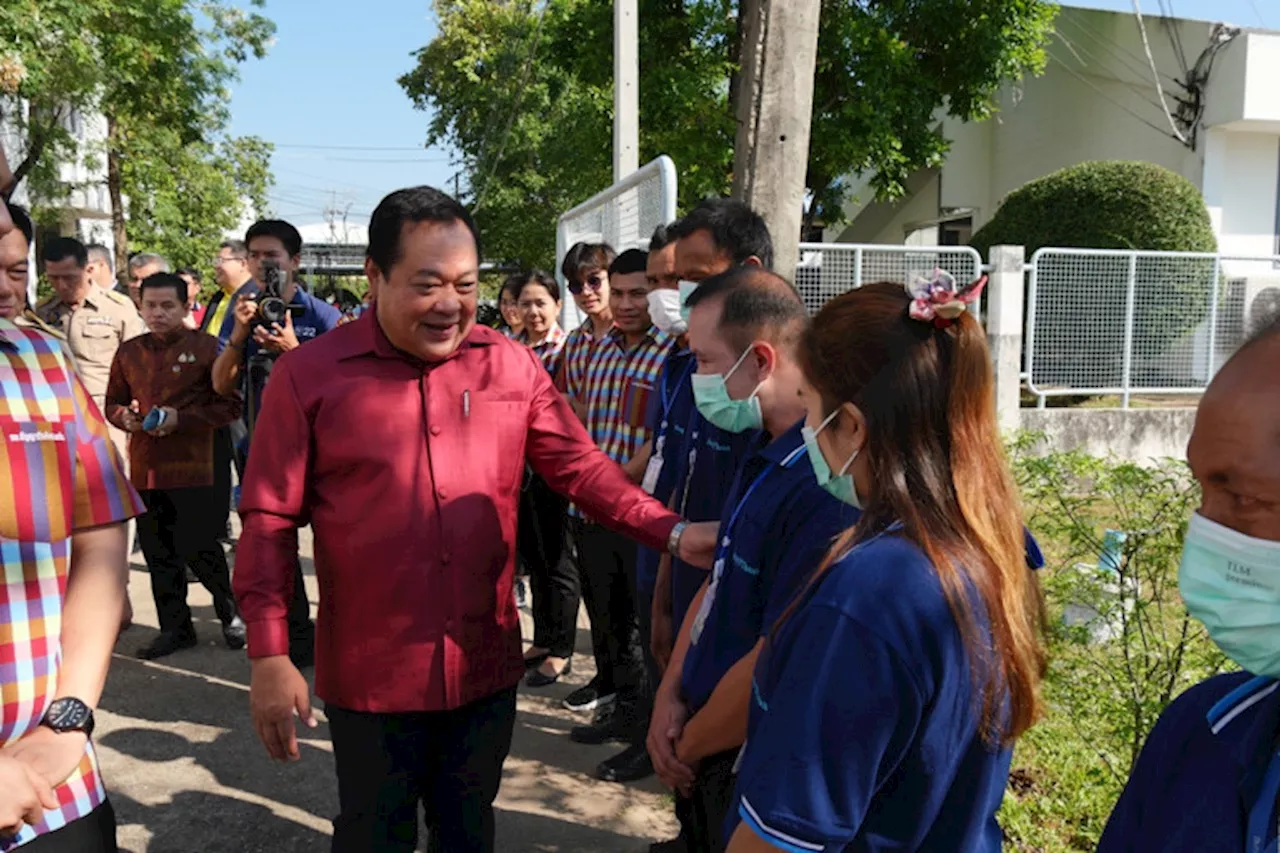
(223, 457)
(553, 576)
(450, 761)
(703, 814)
(181, 529)
(93, 833)
(608, 566)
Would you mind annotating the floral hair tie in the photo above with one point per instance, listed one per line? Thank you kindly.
(938, 300)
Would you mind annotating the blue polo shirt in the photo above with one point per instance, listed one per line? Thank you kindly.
(775, 529)
(666, 419)
(864, 729)
(1201, 773)
(704, 480)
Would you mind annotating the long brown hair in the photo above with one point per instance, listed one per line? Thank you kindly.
(938, 468)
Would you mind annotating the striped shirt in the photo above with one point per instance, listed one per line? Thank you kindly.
(59, 473)
(551, 348)
(576, 354)
(617, 387)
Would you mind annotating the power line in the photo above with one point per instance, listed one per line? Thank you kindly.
(348, 147)
(1258, 12)
(1100, 91)
(1118, 51)
(1139, 88)
(1142, 27)
(329, 159)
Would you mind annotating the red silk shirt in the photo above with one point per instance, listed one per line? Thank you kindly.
(409, 474)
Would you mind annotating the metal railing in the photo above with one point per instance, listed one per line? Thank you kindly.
(1103, 322)
(827, 270)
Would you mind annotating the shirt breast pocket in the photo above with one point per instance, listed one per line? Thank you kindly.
(502, 423)
(37, 468)
(635, 402)
(99, 339)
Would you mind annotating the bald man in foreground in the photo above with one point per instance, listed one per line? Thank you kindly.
(1209, 775)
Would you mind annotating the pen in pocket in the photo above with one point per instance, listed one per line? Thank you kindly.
(466, 404)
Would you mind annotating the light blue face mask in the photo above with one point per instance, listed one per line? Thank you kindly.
(1231, 583)
(686, 288)
(840, 485)
(711, 393)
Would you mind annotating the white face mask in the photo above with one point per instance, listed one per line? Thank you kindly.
(664, 311)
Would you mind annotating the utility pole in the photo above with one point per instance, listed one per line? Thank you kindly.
(775, 106)
(626, 88)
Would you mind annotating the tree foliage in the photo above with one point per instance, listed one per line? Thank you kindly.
(159, 71)
(523, 90)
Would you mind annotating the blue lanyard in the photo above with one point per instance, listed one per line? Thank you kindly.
(668, 397)
(1260, 815)
(726, 540)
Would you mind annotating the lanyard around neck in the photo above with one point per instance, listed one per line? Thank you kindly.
(1263, 808)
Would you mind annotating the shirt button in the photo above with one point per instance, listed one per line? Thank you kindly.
(435, 430)
(442, 494)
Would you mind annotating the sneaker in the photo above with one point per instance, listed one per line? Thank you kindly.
(589, 697)
(522, 594)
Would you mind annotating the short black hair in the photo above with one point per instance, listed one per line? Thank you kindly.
(191, 271)
(61, 248)
(756, 301)
(539, 277)
(583, 258)
(629, 262)
(161, 280)
(281, 230)
(661, 238)
(511, 284)
(735, 228)
(414, 204)
(22, 221)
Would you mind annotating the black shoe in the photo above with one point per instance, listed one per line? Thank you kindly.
(167, 643)
(590, 696)
(535, 661)
(235, 634)
(631, 764)
(610, 723)
(535, 678)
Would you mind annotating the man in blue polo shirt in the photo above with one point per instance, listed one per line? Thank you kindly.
(1209, 775)
(776, 525)
(248, 350)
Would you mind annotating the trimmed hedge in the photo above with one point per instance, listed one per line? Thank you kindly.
(1113, 205)
(1103, 205)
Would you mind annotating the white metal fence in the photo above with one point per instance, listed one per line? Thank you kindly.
(827, 270)
(624, 216)
(1132, 322)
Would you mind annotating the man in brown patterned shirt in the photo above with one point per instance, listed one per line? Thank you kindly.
(169, 371)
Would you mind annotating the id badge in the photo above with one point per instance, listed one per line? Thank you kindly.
(651, 472)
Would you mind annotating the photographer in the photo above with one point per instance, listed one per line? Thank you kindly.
(268, 316)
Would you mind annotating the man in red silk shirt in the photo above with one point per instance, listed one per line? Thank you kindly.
(401, 439)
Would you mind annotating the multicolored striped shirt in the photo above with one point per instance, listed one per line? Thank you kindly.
(576, 354)
(59, 473)
(617, 388)
(551, 348)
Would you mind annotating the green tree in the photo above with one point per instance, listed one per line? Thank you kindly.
(523, 90)
(158, 70)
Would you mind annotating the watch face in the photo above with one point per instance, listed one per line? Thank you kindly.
(67, 715)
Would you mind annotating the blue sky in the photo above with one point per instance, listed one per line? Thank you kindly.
(345, 133)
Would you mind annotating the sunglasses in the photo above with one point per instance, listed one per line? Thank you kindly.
(595, 282)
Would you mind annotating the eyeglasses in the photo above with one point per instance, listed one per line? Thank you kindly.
(217, 262)
(595, 281)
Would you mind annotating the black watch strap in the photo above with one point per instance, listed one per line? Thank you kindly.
(69, 714)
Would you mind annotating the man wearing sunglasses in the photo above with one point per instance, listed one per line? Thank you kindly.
(586, 271)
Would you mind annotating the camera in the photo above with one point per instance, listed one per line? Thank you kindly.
(272, 309)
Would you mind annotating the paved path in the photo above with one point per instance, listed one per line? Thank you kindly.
(186, 772)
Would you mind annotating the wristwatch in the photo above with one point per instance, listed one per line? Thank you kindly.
(69, 715)
(673, 541)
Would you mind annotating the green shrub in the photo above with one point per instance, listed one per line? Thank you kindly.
(1111, 676)
(1111, 205)
(1103, 205)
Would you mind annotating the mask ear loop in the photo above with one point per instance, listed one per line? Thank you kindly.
(738, 364)
(844, 469)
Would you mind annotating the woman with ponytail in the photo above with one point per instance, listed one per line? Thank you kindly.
(889, 695)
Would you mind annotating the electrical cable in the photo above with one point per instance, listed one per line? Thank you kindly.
(1107, 97)
(1142, 27)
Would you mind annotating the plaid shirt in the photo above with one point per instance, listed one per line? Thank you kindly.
(617, 388)
(550, 349)
(59, 473)
(579, 346)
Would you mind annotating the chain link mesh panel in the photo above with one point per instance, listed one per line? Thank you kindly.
(1115, 322)
(827, 270)
(624, 216)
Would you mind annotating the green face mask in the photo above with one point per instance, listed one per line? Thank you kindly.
(686, 288)
(839, 485)
(711, 393)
